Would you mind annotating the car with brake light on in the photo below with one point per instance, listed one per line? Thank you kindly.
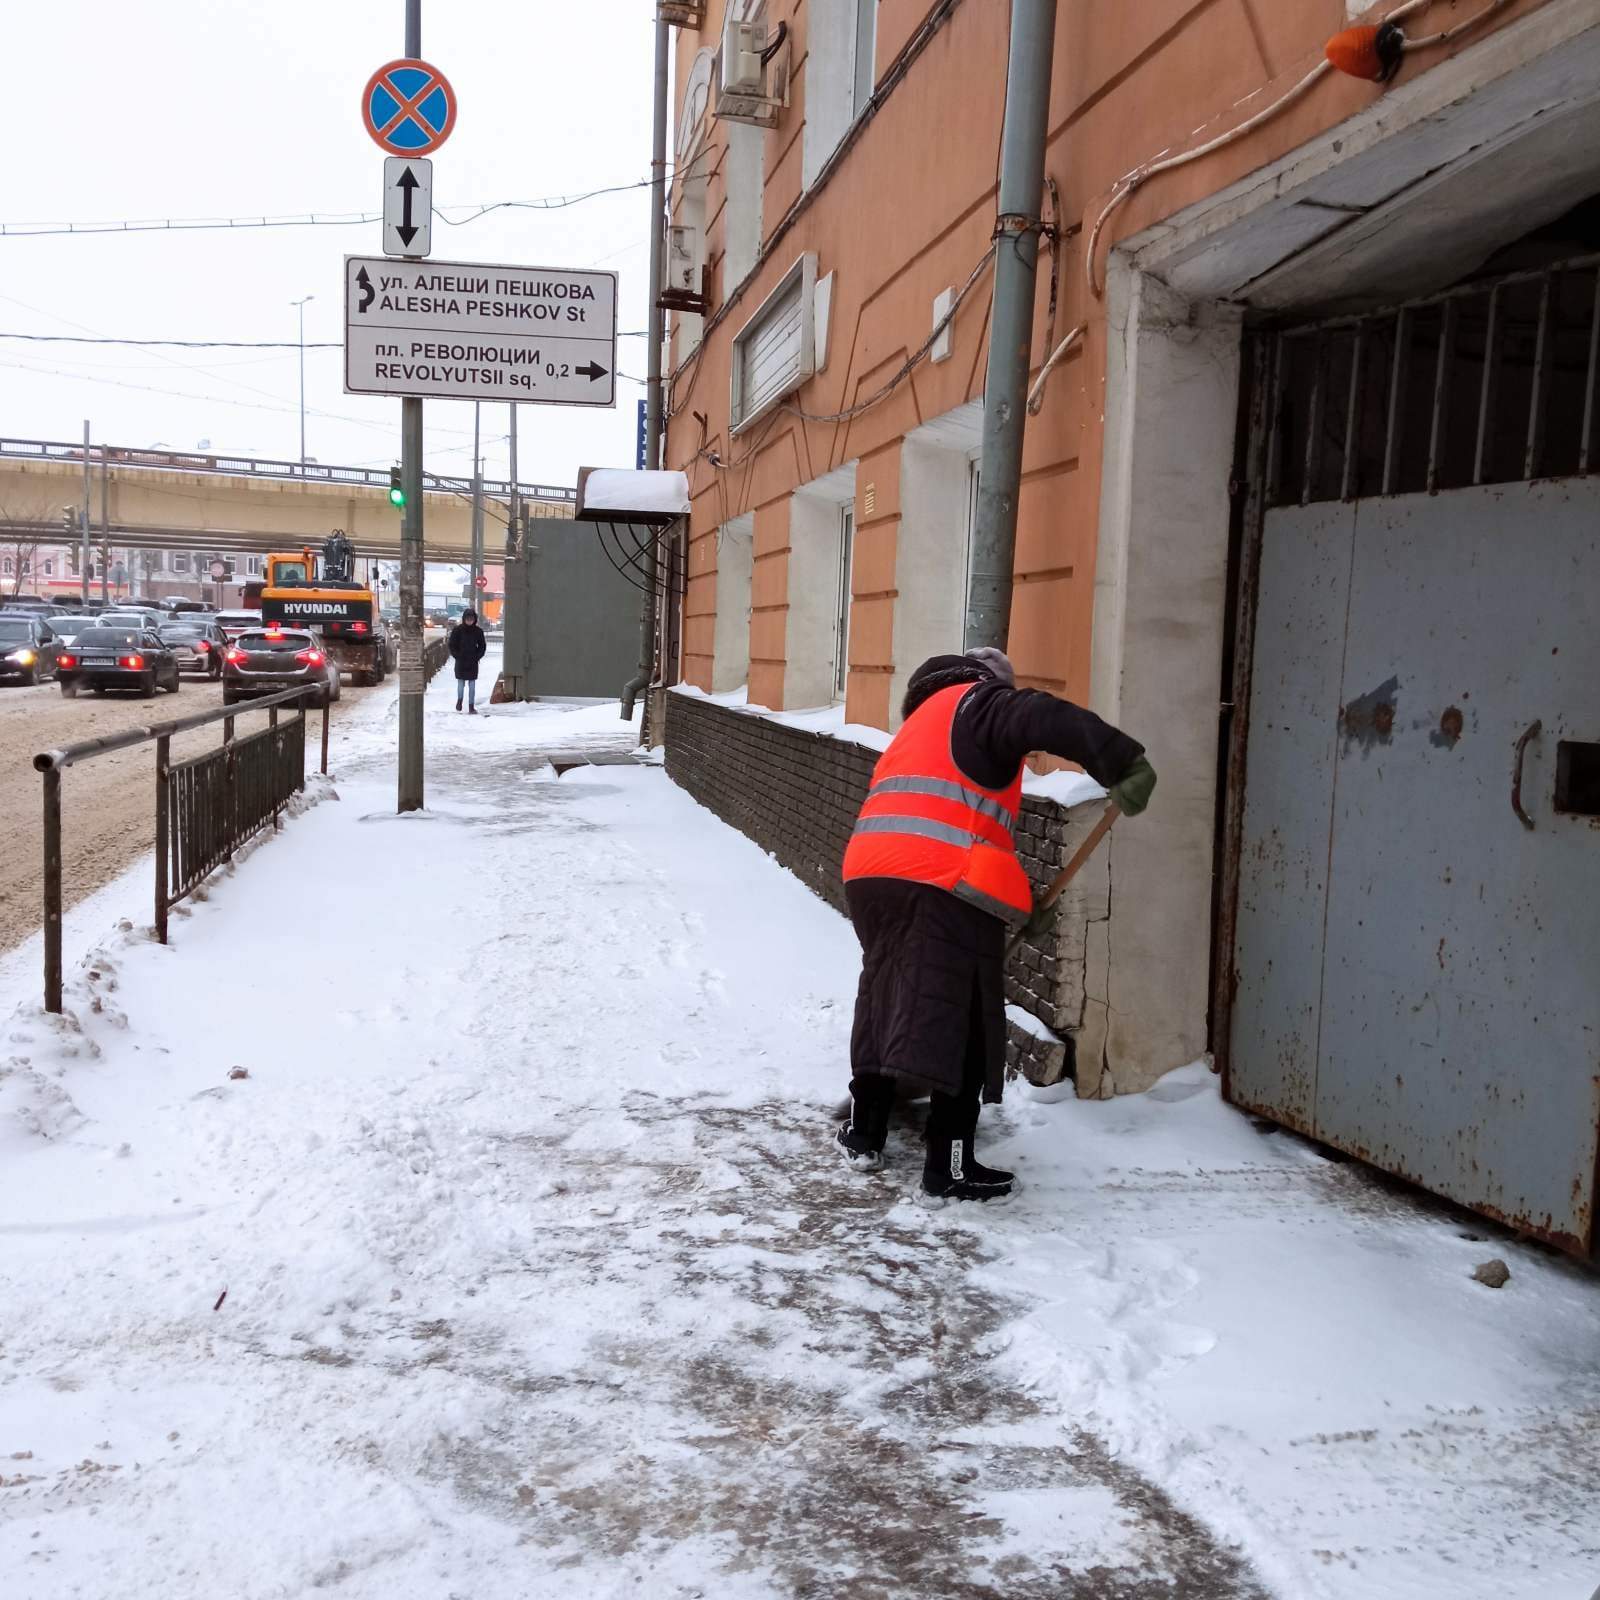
(271, 659)
(109, 656)
(27, 648)
(198, 643)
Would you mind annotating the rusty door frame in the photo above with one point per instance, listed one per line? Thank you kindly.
(1255, 472)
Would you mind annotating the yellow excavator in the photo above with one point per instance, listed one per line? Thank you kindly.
(304, 590)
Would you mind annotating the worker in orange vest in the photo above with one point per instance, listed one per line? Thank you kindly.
(933, 882)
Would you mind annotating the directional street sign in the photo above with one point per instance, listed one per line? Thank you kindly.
(464, 330)
(407, 207)
(409, 107)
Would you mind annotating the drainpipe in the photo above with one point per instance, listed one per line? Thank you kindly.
(1005, 387)
(653, 407)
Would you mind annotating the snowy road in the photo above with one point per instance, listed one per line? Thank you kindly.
(540, 1282)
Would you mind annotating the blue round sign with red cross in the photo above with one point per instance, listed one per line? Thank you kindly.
(409, 107)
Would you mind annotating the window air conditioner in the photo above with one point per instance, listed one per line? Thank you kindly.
(685, 286)
(752, 74)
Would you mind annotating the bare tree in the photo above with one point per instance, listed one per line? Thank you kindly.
(22, 525)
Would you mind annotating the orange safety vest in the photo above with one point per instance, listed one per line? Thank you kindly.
(925, 821)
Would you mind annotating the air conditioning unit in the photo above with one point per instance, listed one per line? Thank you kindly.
(684, 288)
(684, 13)
(752, 73)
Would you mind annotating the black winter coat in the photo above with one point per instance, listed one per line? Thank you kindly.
(932, 966)
(467, 645)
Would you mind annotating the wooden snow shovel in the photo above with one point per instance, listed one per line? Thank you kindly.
(1057, 885)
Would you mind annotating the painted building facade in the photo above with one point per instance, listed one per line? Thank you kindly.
(1212, 187)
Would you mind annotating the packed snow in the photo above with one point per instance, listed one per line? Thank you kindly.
(449, 1211)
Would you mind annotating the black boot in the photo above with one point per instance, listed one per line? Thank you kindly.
(952, 1172)
(858, 1148)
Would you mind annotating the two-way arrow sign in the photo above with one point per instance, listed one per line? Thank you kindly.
(407, 206)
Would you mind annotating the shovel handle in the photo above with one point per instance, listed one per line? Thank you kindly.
(1058, 884)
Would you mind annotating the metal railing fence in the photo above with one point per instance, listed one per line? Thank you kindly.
(206, 806)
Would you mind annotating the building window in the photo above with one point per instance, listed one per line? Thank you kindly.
(775, 352)
(10, 566)
(49, 569)
(180, 562)
(841, 625)
(253, 566)
(27, 568)
(866, 53)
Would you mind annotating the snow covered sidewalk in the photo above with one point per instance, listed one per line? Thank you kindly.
(540, 1280)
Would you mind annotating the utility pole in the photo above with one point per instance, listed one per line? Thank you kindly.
(411, 677)
(300, 306)
(514, 526)
(84, 529)
(477, 500)
(653, 395)
(105, 524)
(994, 543)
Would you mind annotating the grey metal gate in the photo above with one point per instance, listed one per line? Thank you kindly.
(1416, 951)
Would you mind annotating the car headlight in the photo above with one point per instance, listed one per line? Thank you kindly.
(23, 658)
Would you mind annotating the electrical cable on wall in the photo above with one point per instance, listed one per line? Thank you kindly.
(1365, 52)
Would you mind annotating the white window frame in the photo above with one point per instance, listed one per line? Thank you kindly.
(800, 279)
(841, 626)
(866, 52)
(180, 560)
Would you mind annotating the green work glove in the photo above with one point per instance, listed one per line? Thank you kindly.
(1131, 792)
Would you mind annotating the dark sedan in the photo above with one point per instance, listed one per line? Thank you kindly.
(271, 659)
(198, 643)
(27, 647)
(102, 658)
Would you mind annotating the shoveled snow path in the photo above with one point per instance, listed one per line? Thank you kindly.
(540, 1280)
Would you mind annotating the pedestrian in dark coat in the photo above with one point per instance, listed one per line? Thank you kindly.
(930, 1010)
(467, 645)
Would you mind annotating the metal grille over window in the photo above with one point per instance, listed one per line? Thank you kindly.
(1489, 382)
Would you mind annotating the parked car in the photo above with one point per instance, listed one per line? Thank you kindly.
(27, 647)
(66, 626)
(134, 617)
(198, 643)
(109, 656)
(270, 659)
(233, 623)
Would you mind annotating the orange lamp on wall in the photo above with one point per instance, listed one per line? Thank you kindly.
(1373, 53)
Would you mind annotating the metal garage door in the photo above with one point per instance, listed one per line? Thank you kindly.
(1417, 941)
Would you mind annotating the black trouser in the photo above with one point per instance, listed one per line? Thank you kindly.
(950, 1116)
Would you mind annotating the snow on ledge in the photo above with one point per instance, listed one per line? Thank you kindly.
(1031, 1025)
(1065, 789)
(627, 494)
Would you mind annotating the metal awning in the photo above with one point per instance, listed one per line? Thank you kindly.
(615, 494)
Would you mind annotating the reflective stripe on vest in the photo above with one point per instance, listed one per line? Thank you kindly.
(924, 821)
(943, 789)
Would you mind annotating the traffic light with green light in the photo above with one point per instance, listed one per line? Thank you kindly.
(397, 494)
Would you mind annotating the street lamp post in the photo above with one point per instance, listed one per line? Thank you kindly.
(300, 306)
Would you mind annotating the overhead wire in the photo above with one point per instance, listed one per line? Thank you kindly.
(1130, 182)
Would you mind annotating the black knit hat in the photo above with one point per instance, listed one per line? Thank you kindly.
(942, 672)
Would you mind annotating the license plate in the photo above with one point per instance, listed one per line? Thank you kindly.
(99, 661)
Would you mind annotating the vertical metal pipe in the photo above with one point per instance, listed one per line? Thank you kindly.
(163, 831)
(1438, 432)
(412, 682)
(52, 889)
(1352, 416)
(1487, 393)
(326, 709)
(1588, 382)
(1543, 362)
(84, 529)
(477, 497)
(1027, 115)
(654, 406)
(1313, 457)
(105, 523)
(1394, 434)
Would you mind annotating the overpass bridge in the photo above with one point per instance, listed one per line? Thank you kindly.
(175, 500)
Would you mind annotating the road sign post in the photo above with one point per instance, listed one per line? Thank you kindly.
(462, 330)
(407, 207)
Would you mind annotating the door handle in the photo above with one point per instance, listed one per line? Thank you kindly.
(1530, 732)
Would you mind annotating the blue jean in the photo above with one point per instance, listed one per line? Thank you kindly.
(471, 686)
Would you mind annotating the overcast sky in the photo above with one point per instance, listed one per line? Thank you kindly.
(182, 109)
